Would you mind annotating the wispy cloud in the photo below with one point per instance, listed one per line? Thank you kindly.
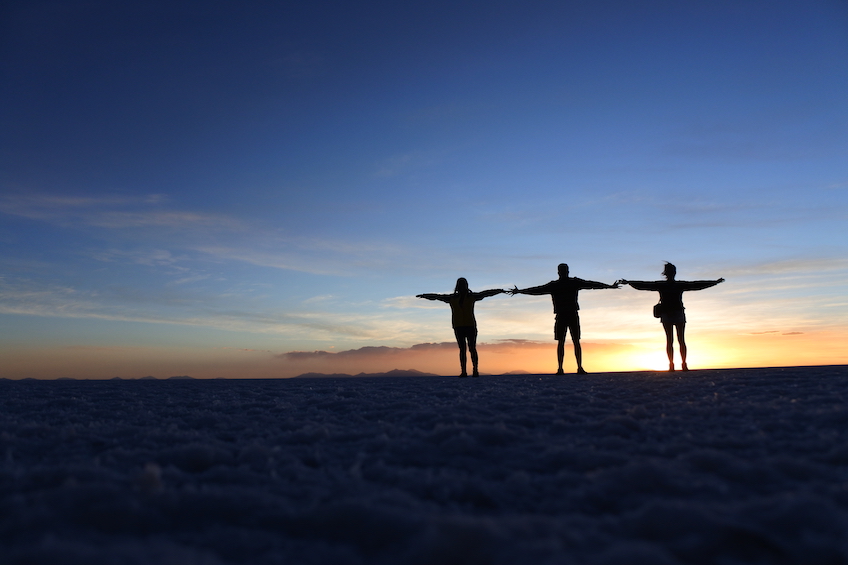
(161, 219)
(46, 206)
(394, 166)
(191, 279)
(308, 255)
(28, 297)
(109, 212)
(169, 234)
(148, 257)
(405, 302)
(322, 298)
(805, 267)
(246, 349)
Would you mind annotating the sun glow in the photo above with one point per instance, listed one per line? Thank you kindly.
(648, 361)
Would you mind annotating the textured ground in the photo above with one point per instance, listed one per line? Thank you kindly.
(732, 466)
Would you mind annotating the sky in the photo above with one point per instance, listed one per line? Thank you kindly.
(260, 189)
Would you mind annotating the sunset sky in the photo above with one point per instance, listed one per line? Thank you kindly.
(260, 189)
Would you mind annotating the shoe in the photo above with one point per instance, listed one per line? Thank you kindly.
(685, 367)
(475, 373)
(560, 372)
(582, 371)
(463, 375)
(671, 367)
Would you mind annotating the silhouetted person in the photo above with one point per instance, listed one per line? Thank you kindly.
(462, 318)
(563, 292)
(670, 308)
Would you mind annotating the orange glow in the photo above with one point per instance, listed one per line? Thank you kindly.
(771, 349)
(706, 350)
(82, 362)
(775, 349)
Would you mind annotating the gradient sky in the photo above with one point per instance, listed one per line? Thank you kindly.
(258, 189)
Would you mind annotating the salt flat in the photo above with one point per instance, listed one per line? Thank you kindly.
(718, 466)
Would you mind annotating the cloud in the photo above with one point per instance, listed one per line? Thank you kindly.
(405, 302)
(314, 256)
(172, 233)
(45, 206)
(321, 298)
(102, 348)
(161, 219)
(372, 352)
(498, 357)
(148, 257)
(306, 355)
(789, 267)
(191, 279)
(109, 212)
(393, 166)
(33, 298)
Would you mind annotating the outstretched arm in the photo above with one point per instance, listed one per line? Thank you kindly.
(487, 293)
(642, 285)
(700, 285)
(599, 285)
(433, 296)
(533, 290)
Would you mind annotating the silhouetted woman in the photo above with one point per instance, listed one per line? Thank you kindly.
(462, 318)
(670, 309)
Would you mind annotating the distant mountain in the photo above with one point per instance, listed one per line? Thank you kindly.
(181, 378)
(392, 373)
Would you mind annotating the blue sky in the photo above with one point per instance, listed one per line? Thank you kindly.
(180, 179)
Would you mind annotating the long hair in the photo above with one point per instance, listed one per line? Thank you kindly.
(670, 271)
(461, 289)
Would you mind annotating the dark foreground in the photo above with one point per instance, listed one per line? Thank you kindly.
(731, 466)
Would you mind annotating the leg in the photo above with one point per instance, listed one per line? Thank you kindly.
(472, 346)
(669, 344)
(578, 355)
(681, 340)
(460, 341)
(559, 335)
(560, 354)
(574, 328)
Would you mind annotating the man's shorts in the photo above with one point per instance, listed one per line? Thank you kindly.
(568, 321)
(465, 332)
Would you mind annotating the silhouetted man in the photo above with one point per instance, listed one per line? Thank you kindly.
(563, 292)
